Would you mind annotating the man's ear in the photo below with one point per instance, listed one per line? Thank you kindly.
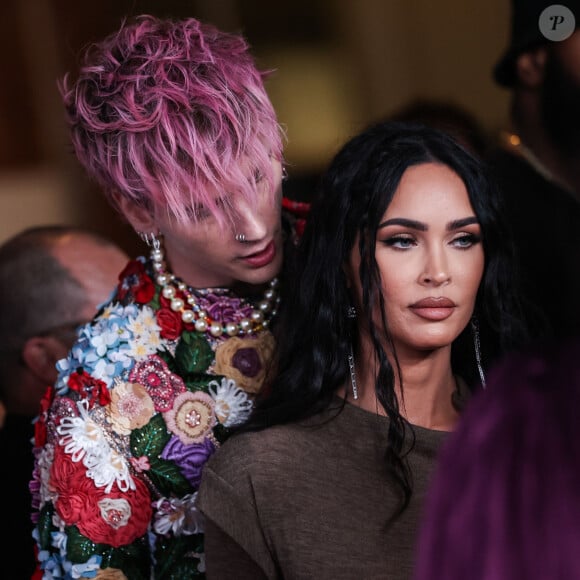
(140, 218)
(40, 355)
(530, 67)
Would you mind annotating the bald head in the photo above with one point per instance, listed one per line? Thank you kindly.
(52, 278)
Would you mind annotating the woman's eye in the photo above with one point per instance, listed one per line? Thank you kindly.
(466, 240)
(400, 242)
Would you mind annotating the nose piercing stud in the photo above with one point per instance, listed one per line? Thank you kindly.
(241, 238)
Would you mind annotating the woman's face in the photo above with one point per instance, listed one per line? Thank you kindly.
(206, 254)
(430, 258)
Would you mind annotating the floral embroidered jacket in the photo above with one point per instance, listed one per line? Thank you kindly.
(141, 402)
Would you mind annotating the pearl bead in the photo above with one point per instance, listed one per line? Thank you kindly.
(264, 306)
(168, 292)
(231, 329)
(156, 255)
(162, 279)
(269, 294)
(245, 324)
(257, 316)
(200, 325)
(187, 316)
(216, 329)
(177, 304)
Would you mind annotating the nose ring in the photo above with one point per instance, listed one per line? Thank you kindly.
(241, 238)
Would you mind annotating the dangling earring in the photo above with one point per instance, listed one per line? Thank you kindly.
(150, 239)
(477, 347)
(351, 314)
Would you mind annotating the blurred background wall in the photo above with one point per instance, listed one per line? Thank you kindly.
(338, 65)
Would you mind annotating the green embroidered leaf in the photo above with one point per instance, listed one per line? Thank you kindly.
(167, 478)
(193, 354)
(179, 558)
(132, 559)
(45, 526)
(150, 439)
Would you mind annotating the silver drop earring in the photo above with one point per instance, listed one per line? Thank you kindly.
(352, 370)
(351, 314)
(477, 347)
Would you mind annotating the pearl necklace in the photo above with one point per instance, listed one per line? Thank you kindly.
(192, 313)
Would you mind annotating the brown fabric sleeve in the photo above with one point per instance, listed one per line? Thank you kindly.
(232, 518)
(225, 559)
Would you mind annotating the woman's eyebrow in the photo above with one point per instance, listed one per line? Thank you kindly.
(413, 224)
(422, 227)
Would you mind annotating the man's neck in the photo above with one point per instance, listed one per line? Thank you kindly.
(540, 150)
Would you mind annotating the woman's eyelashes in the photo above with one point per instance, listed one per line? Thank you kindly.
(466, 240)
(462, 241)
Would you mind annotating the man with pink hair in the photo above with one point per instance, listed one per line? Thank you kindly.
(172, 120)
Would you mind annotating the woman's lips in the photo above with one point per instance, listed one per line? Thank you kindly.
(435, 309)
(261, 258)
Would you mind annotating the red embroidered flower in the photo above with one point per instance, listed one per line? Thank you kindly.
(89, 387)
(40, 424)
(135, 283)
(170, 323)
(116, 518)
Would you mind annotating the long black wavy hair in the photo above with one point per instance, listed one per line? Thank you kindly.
(315, 334)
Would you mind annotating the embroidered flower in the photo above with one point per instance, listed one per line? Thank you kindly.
(93, 389)
(192, 417)
(232, 405)
(161, 384)
(227, 309)
(85, 440)
(170, 323)
(245, 360)
(115, 517)
(131, 407)
(177, 516)
(135, 283)
(189, 458)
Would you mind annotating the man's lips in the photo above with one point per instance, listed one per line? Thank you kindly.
(262, 257)
(434, 308)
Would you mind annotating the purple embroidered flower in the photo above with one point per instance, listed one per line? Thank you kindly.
(247, 361)
(226, 309)
(189, 458)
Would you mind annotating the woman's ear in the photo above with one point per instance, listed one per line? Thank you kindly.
(141, 218)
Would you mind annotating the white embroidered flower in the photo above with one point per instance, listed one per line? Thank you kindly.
(108, 468)
(44, 461)
(116, 512)
(144, 323)
(232, 404)
(81, 435)
(179, 516)
(84, 439)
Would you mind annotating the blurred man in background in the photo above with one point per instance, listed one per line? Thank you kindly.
(538, 164)
(48, 274)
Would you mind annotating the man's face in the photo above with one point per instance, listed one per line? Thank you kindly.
(561, 94)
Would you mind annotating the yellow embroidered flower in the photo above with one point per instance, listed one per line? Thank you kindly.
(245, 360)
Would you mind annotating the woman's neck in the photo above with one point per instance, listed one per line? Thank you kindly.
(428, 387)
